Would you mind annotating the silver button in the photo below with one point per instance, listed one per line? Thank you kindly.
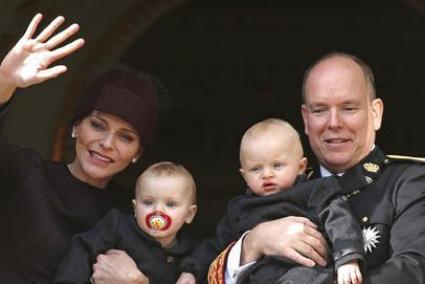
(170, 259)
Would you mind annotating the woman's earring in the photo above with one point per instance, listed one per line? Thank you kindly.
(73, 134)
(134, 160)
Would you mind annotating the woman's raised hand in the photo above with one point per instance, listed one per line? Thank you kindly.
(28, 62)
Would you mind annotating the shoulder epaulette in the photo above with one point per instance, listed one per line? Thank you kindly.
(400, 158)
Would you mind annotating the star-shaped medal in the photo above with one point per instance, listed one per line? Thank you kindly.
(370, 238)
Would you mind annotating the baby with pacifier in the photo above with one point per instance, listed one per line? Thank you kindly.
(165, 200)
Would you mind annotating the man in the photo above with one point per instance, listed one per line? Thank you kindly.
(387, 194)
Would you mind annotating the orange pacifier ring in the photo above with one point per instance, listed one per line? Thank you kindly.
(158, 221)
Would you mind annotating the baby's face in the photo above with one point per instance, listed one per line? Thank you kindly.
(163, 204)
(270, 165)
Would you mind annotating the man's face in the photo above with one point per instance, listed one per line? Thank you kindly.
(340, 119)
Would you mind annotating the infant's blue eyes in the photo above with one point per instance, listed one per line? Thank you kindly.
(170, 204)
(257, 170)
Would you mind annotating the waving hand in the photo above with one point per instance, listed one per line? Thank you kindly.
(29, 61)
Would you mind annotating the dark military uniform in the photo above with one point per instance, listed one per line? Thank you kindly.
(119, 231)
(390, 207)
(387, 197)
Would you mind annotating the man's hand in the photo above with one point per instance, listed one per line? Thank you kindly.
(349, 273)
(295, 238)
(27, 63)
(186, 278)
(116, 267)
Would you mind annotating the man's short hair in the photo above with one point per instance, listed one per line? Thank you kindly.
(367, 71)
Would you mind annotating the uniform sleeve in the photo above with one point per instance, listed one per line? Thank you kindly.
(209, 249)
(218, 272)
(407, 241)
(343, 232)
(342, 229)
(76, 267)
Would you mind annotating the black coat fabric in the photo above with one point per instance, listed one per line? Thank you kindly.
(387, 198)
(42, 205)
(118, 231)
(320, 200)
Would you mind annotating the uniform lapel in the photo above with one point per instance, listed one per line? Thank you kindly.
(361, 175)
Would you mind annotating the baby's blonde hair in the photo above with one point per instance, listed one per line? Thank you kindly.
(167, 169)
(269, 126)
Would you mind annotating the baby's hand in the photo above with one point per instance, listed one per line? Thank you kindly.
(186, 278)
(349, 273)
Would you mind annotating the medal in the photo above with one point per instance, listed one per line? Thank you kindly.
(370, 238)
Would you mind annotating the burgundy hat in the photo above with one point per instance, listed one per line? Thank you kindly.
(127, 94)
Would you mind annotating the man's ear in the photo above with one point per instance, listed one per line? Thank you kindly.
(191, 213)
(302, 166)
(305, 119)
(377, 113)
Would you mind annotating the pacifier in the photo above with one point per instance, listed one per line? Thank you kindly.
(158, 221)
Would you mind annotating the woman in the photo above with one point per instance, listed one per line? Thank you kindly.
(44, 203)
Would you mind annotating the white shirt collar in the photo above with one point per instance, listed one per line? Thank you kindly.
(325, 173)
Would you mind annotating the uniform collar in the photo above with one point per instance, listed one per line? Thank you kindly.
(363, 173)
